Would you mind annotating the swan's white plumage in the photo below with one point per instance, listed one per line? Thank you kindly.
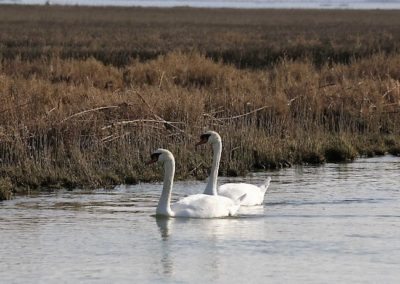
(205, 206)
(193, 206)
(254, 194)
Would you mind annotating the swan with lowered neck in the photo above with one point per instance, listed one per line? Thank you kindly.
(193, 206)
(254, 195)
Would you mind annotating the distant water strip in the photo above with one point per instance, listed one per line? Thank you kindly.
(304, 4)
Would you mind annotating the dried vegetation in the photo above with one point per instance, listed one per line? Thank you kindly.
(87, 93)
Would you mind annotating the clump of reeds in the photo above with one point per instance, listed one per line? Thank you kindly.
(339, 150)
(392, 145)
(6, 188)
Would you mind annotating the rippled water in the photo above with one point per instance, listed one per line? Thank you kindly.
(330, 224)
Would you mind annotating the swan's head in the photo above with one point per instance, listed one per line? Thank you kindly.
(160, 155)
(210, 137)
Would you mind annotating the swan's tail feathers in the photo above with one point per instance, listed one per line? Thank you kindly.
(265, 186)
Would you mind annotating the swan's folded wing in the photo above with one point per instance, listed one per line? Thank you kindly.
(254, 195)
(204, 206)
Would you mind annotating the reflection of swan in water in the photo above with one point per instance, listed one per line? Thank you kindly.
(198, 245)
(253, 194)
(197, 232)
(193, 206)
(163, 224)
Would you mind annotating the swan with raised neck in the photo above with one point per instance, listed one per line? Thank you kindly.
(213, 138)
(166, 158)
(254, 195)
(192, 206)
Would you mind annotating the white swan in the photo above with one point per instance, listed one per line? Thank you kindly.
(254, 195)
(193, 206)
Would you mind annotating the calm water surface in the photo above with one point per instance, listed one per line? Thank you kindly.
(330, 224)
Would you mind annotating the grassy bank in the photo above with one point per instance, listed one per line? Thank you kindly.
(85, 99)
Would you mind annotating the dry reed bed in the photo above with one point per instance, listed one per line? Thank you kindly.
(73, 122)
(87, 93)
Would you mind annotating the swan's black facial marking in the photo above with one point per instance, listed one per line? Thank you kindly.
(205, 136)
(203, 139)
(153, 158)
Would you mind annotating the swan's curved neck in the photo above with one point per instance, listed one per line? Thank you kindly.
(164, 207)
(211, 188)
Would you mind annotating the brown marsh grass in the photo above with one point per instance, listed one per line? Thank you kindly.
(87, 93)
(244, 38)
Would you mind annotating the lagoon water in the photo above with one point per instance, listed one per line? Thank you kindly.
(285, 4)
(338, 223)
